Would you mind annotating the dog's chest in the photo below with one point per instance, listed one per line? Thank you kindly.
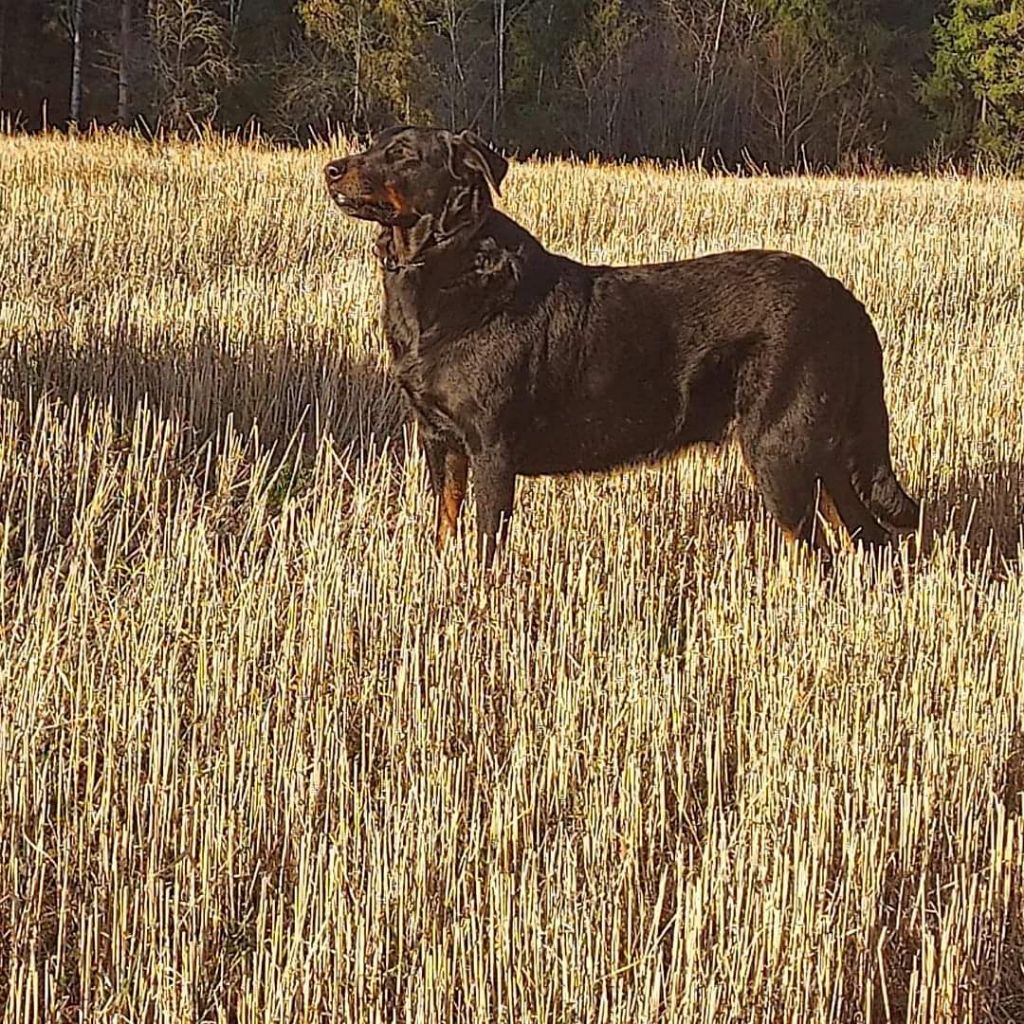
(428, 392)
(400, 323)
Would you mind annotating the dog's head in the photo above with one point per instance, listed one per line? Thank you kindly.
(410, 173)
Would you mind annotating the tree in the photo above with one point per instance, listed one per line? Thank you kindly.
(374, 49)
(800, 73)
(190, 58)
(123, 64)
(69, 14)
(599, 60)
(777, 81)
(451, 22)
(76, 60)
(705, 51)
(976, 88)
(3, 46)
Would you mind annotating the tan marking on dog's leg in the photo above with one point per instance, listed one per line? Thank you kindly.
(828, 513)
(449, 502)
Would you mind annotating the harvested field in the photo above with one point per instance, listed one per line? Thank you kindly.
(265, 757)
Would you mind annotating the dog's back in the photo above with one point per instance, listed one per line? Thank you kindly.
(605, 366)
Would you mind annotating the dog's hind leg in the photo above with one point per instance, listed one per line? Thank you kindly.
(860, 524)
(788, 485)
(871, 467)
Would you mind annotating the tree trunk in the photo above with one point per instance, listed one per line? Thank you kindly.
(3, 45)
(76, 61)
(718, 42)
(357, 88)
(499, 86)
(235, 17)
(457, 79)
(123, 114)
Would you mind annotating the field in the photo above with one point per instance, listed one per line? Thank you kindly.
(265, 757)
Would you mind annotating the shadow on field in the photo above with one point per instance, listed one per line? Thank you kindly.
(221, 413)
(275, 393)
(1002, 981)
(983, 508)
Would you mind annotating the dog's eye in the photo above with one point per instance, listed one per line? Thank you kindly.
(398, 154)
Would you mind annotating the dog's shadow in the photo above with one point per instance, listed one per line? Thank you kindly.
(273, 391)
(982, 508)
(275, 402)
(979, 511)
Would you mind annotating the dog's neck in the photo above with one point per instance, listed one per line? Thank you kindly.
(455, 285)
(402, 247)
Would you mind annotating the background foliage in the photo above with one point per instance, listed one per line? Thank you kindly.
(787, 83)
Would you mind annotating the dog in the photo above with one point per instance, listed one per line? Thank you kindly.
(518, 361)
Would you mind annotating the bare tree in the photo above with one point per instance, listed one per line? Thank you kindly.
(357, 78)
(353, 33)
(712, 42)
(797, 78)
(447, 25)
(599, 62)
(505, 17)
(191, 59)
(498, 95)
(75, 28)
(123, 113)
(3, 41)
(235, 16)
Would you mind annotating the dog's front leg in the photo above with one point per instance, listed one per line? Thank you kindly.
(495, 482)
(449, 472)
(449, 500)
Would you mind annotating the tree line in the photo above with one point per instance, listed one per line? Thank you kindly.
(778, 83)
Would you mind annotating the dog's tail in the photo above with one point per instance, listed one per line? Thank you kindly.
(869, 461)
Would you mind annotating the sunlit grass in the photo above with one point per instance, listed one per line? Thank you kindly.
(265, 757)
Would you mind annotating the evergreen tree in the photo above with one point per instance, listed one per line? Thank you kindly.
(977, 86)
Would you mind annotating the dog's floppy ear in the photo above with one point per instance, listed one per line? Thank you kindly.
(464, 207)
(471, 155)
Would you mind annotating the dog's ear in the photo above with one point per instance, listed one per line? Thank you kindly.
(471, 155)
(464, 207)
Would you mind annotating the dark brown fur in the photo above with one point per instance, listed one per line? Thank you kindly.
(519, 361)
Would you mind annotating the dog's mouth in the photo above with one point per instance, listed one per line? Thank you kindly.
(365, 207)
(370, 207)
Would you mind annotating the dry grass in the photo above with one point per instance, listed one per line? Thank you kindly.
(264, 758)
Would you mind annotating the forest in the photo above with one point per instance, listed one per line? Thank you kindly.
(845, 84)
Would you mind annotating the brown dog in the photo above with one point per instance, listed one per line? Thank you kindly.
(519, 361)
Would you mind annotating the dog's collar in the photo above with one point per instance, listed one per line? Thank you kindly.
(393, 266)
(385, 250)
(432, 241)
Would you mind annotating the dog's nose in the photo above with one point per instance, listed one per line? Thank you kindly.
(334, 170)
